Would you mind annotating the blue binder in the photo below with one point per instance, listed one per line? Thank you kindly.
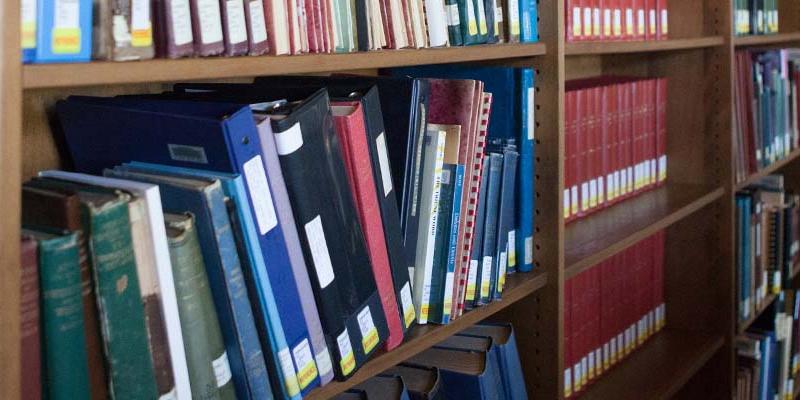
(206, 201)
(267, 316)
(214, 136)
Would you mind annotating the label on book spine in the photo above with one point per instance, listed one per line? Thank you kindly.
(652, 22)
(141, 27)
(323, 359)
(617, 22)
(574, 203)
(567, 382)
(607, 22)
(348, 360)
(584, 196)
(587, 21)
(448, 294)
(577, 25)
(181, 22)
(28, 28)
(472, 278)
(289, 376)
(210, 21)
(66, 27)
(590, 365)
(222, 369)
(512, 248)
(629, 21)
(529, 250)
(236, 22)
(482, 18)
(501, 270)
(640, 23)
(593, 193)
(407, 304)
(486, 275)
(607, 354)
(472, 24)
(259, 193)
(383, 161)
(319, 252)
(258, 27)
(596, 22)
(306, 367)
(530, 123)
(369, 333)
(567, 207)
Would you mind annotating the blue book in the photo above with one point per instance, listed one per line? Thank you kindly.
(63, 31)
(473, 275)
(528, 17)
(479, 344)
(489, 262)
(214, 136)
(505, 342)
(206, 201)
(512, 117)
(455, 223)
(267, 317)
(505, 221)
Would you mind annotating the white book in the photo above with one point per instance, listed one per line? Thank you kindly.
(154, 216)
(429, 210)
(437, 23)
(277, 18)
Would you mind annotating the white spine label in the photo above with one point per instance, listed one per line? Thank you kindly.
(531, 106)
(383, 161)
(319, 251)
(258, 27)
(260, 194)
(529, 250)
(324, 364)
(236, 22)
(222, 370)
(210, 21)
(181, 22)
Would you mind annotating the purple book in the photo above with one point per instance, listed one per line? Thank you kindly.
(283, 208)
(207, 27)
(172, 29)
(234, 26)
(256, 27)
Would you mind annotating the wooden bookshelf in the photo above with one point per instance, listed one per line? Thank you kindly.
(599, 236)
(768, 299)
(105, 73)
(771, 169)
(659, 369)
(423, 337)
(762, 40)
(587, 48)
(695, 207)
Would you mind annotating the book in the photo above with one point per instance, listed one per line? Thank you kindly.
(422, 382)
(204, 199)
(234, 26)
(504, 340)
(172, 28)
(66, 373)
(122, 31)
(472, 292)
(205, 350)
(256, 27)
(506, 232)
(349, 121)
(30, 321)
(68, 39)
(207, 28)
(464, 373)
(60, 208)
(487, 278)
(155, 276)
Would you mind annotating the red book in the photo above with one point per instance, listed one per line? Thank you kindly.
(472, 188)
(639, 12)
(659, 280)
(583, 342)
(652, 141)
(588, 133)
(569, 126)
(568, 338)
(615, 23)
(598, 143)
(652, 20)
(661, 129)
(626, 133)
(349, 120)
(314, 26)
(577, 378)
(639, 128)
(571, 17)
(611, 158)
(278, 34)
(607, 20)
(588, 20)
(628, 20)
(596, 357)
(597, 19)
(30, 362)
(663, 20)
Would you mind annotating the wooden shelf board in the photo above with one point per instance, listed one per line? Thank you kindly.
(743, 325)
(162, 70)
(423, 337)
(768, 170)
(755, 40)
(588, 48)
(601, 235)
(658, 369)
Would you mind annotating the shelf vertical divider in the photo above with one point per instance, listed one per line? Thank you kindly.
(10, 203)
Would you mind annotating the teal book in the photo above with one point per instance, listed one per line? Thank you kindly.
(453, 22)
(65, 365)
(455, 224)
(106, 222)
(468, 22)
(442, 245)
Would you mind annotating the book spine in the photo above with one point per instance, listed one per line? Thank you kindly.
(527, 172)
(66, 375)
(120, 308)
(453, 252)
(442, 246)
(453, 23)
(30, 333)
(206, 357)
(489, 262)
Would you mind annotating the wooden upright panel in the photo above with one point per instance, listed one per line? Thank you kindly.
(10, 127)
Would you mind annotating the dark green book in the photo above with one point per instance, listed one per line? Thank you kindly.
(107, 223)
(64, 361)
(453, 22)
(205, 350)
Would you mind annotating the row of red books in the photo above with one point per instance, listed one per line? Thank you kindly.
(610, 310)
(615, 141)
(593, 20)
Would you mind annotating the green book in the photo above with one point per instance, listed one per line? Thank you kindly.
(204, 346)
(106, 220)
(453, 22)
(442, 244)
(65, 365)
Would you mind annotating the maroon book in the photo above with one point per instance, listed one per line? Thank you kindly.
(30, 364)
(172, 29)
(256, 27)
(207, 27)
(234, 26)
